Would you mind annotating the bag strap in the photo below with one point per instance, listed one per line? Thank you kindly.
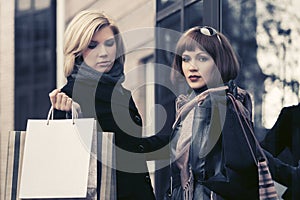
(238, 110)
(51, 114)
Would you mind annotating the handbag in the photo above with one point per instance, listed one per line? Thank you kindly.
(58, 159)
(244, 171)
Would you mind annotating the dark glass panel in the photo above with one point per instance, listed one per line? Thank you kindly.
(162, 4)
(193, 15)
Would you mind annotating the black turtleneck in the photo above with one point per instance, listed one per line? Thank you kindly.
(200, 90)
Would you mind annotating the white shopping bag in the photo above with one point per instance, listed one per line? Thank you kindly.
(56, 158)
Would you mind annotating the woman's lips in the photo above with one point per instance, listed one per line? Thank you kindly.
(104, 63)
(194, 78)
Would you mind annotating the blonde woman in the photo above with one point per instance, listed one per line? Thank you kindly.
(94, 64)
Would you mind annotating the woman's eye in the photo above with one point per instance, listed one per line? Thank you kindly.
(202, 59)
(92, 45)
(185, 59)
(109, 43)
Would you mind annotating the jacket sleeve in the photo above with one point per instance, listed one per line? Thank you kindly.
(157, 145)
(286, 175)
(67, 89)
(280, 171)
(279, 136)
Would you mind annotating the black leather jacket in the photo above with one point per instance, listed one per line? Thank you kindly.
(204, 142)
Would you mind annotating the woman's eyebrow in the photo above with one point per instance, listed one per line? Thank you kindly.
(202, 53)
(196, 54)
(95, 41)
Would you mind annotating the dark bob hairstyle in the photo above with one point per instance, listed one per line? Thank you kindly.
(215, 44)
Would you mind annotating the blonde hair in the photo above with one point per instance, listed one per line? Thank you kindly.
(79, 33)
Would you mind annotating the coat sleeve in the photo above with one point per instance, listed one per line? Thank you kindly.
(286, 175)
(156, 146)
(281, 172)
(279, 136)
(67, 89)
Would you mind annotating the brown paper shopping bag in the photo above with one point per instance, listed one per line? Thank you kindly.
(106, 155)
(15, 150)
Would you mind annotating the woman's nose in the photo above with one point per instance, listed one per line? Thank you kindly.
(192, 66)
(102, 51)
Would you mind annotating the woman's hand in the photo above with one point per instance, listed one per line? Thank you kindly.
(60, 100)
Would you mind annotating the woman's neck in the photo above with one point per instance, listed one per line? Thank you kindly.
(200, 90)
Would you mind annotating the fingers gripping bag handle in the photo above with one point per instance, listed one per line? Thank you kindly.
(74, 113)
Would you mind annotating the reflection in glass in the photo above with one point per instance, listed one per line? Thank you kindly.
(166, 40)
(161, 4)
(165, 96)
(35, 61)
(193, 15)
(24, 5)
(41, 4)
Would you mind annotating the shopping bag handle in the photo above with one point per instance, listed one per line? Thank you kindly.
(51, 114)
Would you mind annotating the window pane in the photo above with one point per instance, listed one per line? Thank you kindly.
(193, 15)
(161, 4)
(166, 40)
(35, 61)
(24, 5)
(41, 4)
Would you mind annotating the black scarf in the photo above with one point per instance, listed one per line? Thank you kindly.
(102, 84)
(83, 72)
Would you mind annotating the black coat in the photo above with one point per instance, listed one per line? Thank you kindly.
(116, 112)
(283, 141)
